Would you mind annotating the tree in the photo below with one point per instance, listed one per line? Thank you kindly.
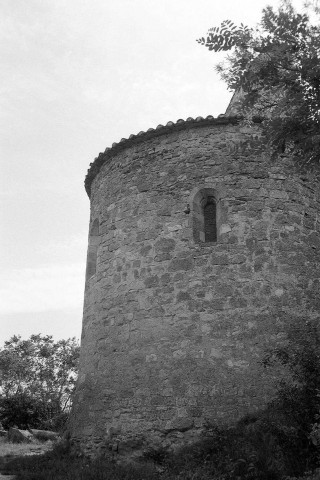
(276, 67)
(298, 393)
(37, 378)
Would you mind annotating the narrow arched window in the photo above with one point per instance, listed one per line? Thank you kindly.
(94, 240)
(205, 215)
(210, 220)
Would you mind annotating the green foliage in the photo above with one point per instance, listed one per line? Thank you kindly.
(22, 410)
(280, 442)
(297, 403)
(60, 464)
(224, 37)
(283, 440)
(276, 68)
(37, 378)
(260, 447)
(255, 449)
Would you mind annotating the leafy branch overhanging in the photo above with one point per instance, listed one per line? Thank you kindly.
(275, 68)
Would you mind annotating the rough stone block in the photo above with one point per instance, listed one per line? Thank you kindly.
(15, 435)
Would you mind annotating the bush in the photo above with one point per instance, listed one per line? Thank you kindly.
(280, 442)
(58, 423)
(297, 403)
(283, 440)
(22, 411)
(37, 380)
(59, 464)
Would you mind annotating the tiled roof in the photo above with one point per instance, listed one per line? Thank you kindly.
(150, 133)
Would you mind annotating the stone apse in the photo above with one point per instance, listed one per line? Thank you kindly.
(201, 247)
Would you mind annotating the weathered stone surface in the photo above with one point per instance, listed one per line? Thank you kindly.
(44, 435)
(173, 327)
(16, 435)
(181, 424)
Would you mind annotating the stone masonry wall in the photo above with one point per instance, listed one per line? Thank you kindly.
(173, 330)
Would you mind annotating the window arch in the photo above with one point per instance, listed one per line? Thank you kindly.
(205, 215)
(94, 241)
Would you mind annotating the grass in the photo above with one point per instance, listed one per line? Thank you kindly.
(58, 464)
(281, 442)
(254, 449)
(9, 449)
(225, 456)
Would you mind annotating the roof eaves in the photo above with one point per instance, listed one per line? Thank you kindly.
(180, 124)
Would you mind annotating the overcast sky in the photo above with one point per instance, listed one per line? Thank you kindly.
(76, 76)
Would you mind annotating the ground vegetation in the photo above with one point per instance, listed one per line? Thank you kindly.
(280, 442)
